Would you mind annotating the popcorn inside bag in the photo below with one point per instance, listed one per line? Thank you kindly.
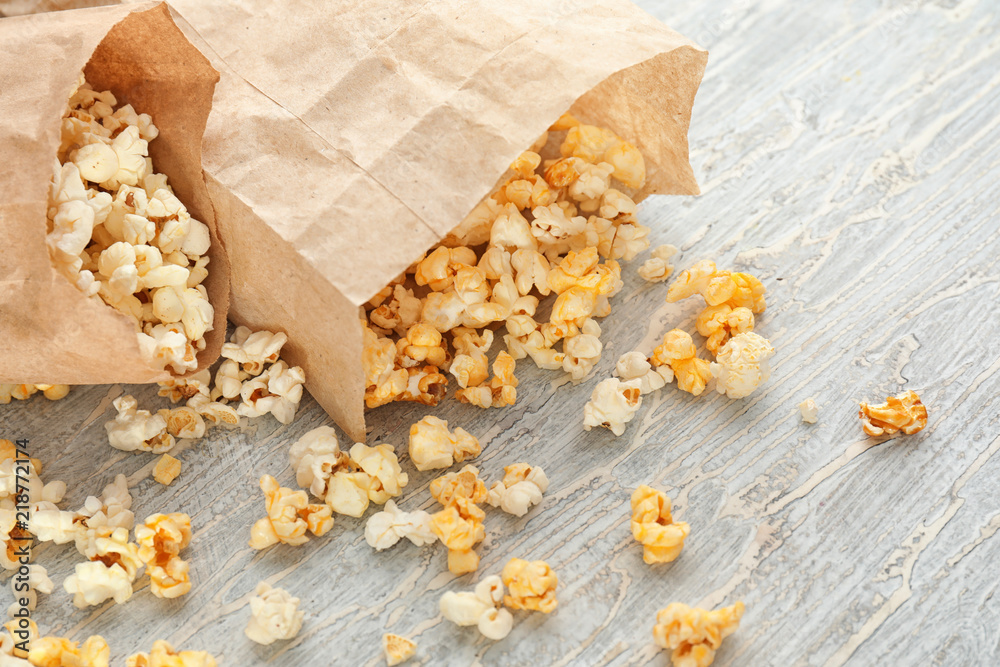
(117, 231)
(555, 227)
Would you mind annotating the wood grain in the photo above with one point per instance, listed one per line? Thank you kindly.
(848, 153)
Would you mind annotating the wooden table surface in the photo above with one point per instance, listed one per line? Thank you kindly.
(848, 154)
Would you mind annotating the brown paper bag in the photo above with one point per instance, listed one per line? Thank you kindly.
(345, 141)
(49, 331)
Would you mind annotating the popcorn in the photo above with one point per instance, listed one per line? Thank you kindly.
(737, 290)
(596, 144)
(658, 268)
(899, 413)
(582, 352)
(119, 233)
(653, 526)
(742, 365)
(387, 527)
(437, 270)
(349, 492)
(481, 608)
(60, 652)
(634, 366)
(809, 410)
(612, 404)
(531, 585)
(423, 344)
(315, 457)
(163, 655)
(521, 488)
(400, 313)
(113, 566)
(678, 352)
(718, 323)
(397, 649)
(183, 422)
(277, 390)
(181, 389)
(460, 524)
(161, 539)
(273, 615)
(166, 470)
(214, 412)
(501, 390)
(28, 589)
(432, 445)
(694, 635)
(289, 515)
(137, 430)
(112, 510)
(382, 466)
(8, 645)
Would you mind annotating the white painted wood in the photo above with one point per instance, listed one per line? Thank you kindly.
(848, 153)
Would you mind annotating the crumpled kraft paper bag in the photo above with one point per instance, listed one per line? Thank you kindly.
(348, 138)
(50, 332)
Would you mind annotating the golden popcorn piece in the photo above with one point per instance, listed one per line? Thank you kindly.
(53, 392)
(397, 649)
(437, 270)
(60, 652)
(530, 585)
(166, 469)
(737, 290)
(809, 411)
(654, 527)
(903, 413)
(718, 323)
(382, 466)
(161, 539)
(694, 635)
(163, 655)
(432, 445)
(460, 524)
(521, 488)
(678, 352)
(289, 515)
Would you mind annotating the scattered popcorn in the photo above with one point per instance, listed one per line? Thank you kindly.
(653, 526)
(163, 655)
(252, 350)
(112, 510)
(742, 365)
(694, 635)
(277, 390)
(612, 404)
(315, 457)
(658, 268)
(273, 615)
(432, 445)
(121, 236)
(382, 466)
(37, 582)
(161, 539)
(460, 524)
(289, 515)
(737, 290)
(678, 352)
(501, 390)
(137, 430)
(718, 323)
(392, 524)
(899, 413)
(635, 366)
(582, 351)
(113, 566)
(184, 422)
(397, 649)
(183, 388)
(809, 411)
(166, 469)
(59, 652)
(531, 585)
(521, 488)
(481, 608)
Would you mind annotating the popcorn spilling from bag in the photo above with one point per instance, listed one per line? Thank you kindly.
(117, 231)
(22, 392)
(556, 225)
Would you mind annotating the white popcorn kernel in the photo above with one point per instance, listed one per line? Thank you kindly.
(382, 466)
(392, 524)
(216, 413)
(97, 162)
(582, 352)
(184, 422)
(94, 582)
(347, 493)
(112, 510)
(315, 457)
(432, 445)
(72, 228)
(522, 488)
(178, 389)
(273, 615)
(809, 411)
(167, 305)
(137, 430)
(635, 366)
(166, 346)
(742, 365)
(277, 390)
(462, 608)
(612, 405)
(482, 608)
(131, 151)
(252, 350)
(496, 623)
(511, 230)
